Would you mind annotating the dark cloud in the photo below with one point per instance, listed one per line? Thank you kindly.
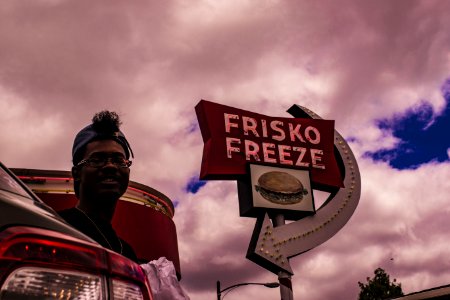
(69, 54)
(382, 46)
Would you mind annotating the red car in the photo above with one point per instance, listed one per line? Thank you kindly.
(42, 257)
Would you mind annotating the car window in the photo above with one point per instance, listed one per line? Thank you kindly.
(9, 184)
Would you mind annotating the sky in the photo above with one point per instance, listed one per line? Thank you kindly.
(380, 69)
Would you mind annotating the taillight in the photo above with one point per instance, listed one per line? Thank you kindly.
(32, 244)
(126, 291)
(44, 283)
(42, 264)
(121, 266)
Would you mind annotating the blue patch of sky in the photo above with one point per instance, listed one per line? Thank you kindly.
(194, 185)
(351, 139)
(193, 127)
(423, 137)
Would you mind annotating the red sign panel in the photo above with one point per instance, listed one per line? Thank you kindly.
(234, 137)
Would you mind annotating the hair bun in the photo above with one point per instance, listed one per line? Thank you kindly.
(106, 122)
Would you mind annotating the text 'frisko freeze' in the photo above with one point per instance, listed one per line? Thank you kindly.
(234, 138)
(276, 130)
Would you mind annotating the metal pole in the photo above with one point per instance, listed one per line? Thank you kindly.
(218, 289)
(283, 277)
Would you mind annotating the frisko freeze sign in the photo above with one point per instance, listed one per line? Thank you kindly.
(278, 162)
(234, 138)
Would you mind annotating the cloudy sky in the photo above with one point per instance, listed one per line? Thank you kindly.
(380, 69)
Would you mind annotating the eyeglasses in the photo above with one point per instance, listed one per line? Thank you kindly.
(101, 161)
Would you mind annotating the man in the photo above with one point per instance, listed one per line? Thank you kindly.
(101, 172)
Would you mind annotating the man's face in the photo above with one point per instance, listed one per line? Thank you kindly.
(105, 183)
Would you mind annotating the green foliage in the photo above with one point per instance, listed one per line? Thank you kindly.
(379, 287)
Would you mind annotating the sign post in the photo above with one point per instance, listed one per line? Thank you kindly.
(278, 163)
(284, 278)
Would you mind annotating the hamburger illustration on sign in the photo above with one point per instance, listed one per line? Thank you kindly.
(274, 189)
(280, 188)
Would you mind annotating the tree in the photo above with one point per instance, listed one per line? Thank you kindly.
(379, 287)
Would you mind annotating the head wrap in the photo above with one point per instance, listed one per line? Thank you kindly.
(91, 133)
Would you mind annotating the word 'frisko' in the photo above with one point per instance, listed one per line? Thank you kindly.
(276, 130)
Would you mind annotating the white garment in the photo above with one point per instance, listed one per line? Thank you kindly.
(163, 280)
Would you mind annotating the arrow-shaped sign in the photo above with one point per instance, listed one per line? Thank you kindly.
(271, 247)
